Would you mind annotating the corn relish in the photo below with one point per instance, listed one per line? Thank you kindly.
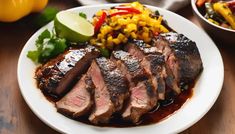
(128, 21)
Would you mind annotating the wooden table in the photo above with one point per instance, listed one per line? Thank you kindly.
(17, 118)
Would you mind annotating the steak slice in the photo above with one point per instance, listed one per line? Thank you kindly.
(183, 59)
(153, 62)
(156, 64)
(58, 75)
(79, 100)
(111, 89)
(132, 65)
(142, 100)
(170, 79)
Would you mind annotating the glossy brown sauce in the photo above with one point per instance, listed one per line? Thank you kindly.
(160, 113)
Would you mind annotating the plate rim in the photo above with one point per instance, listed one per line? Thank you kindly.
(106, 5)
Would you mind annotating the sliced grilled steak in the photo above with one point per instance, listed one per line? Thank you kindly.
(58, 75)
(79, 100)
(142, 100)
(131, 64)
(104, 107)
(152, 61)
(165, 50)
(156, 64)
(111, 89)
(183, 59)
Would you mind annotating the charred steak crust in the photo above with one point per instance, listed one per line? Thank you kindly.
(115, 81)
(146, 48)
(187, 54)
(103, 108)
(59, 74)
(156, 63)
(153, 62)
(133, 65)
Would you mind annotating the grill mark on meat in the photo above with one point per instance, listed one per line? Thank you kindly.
(146, 48)
(79, 100)
(111, 89)
(157, 67)
(171, 78)
(152, 62)
(115, 81)
(103, 105)
(184, 61)
(132, 65)
(58, 75)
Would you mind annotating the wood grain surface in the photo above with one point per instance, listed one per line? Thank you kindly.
(17, 118)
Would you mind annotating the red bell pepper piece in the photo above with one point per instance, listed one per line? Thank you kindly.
(129, 9)
(100, 22)
(120, 13)
(123, 10)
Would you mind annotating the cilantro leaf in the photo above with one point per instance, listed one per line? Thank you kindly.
(83, 15)
(104, 52)
(45, 34)
(48, 46)
(33, 55)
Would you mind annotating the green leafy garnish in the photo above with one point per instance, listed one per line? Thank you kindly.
(48, 46)
(157, 13)
(83, 15)
(104, 52)
(46, 16)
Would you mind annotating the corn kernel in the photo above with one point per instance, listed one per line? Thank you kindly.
(116, 41)
(146, 29)
(163, 29)
(131, 27)
(145, 35)
(133, 35)
(93, 41)
(120, 36)
(142, 23)
(100, 36)
(99, 13)
(125, 40)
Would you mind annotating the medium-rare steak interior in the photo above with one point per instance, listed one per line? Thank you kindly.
(111, 89)
(130, 84)
(79, 100)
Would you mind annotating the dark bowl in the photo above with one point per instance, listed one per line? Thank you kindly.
(216, 32)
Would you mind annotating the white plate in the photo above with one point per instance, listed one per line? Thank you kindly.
(206, 90)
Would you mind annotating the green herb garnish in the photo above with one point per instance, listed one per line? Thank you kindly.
(83, 15)
(46, 16)
(48, 46)
(104, 52)
(157, 13)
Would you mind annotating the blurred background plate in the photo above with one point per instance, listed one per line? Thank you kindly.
(172, 5)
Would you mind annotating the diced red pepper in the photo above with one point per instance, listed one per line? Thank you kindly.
(129, 9)
(120, 13)
(100, 22)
